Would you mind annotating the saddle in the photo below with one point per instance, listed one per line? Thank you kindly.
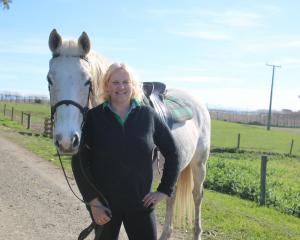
(171, 109)
(155, 94)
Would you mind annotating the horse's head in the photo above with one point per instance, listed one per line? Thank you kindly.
(70, 84)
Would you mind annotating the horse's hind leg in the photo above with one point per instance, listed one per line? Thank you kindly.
(199, 172)
(167, 229)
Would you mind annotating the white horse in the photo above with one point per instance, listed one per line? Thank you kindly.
(74, 79)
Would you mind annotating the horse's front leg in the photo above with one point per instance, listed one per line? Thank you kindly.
(167, 228)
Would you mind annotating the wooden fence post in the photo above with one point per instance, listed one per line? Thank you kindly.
(22, 117)
(263, 177)
(4, 109)
(12, 113)
(28, 120)
(48, 127)
(292, 144)
(238, 141)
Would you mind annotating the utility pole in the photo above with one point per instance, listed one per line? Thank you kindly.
(271, 95)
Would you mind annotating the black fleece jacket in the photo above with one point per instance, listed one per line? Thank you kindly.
(118, 158)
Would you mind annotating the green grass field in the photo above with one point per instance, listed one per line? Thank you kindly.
(255, 138)
(38, 111)
(225, 216)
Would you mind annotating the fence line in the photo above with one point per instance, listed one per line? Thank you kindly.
(44, 126)
(238, 145)
(284, 118)
(279, 119)
(17, 98)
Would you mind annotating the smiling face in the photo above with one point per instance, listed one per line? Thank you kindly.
(119, 87)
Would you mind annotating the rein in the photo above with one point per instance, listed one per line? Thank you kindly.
(89, 181)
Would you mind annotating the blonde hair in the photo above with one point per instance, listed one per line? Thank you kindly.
(137, 92)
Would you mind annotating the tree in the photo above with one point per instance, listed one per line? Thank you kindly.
(5, 3)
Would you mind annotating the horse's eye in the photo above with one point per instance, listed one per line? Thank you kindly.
(88, 82)
(49, 80)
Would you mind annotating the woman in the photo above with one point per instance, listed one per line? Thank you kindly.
(119, 136)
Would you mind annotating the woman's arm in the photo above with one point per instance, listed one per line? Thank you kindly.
(167, 146)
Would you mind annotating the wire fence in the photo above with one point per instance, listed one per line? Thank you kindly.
(278, 119)
(18, 98)
(38, 124)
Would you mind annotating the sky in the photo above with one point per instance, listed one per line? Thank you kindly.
(218, 51)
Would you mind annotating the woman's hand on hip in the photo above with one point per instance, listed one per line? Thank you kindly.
(152, 198)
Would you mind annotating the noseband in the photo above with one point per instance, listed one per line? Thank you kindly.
(82, 109)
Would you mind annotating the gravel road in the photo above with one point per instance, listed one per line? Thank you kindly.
(35, 201)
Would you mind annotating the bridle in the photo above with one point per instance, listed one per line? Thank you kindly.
(83, 109)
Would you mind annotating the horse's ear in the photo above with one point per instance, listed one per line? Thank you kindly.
(55, 41)
(85, 43)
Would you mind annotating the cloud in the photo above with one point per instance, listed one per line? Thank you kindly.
(247, 99)
(200, 79)
(237, 18)
(271, 44)
(7, 77)
(174, 79)
(290, 44)
(186, 69)
(188, 12)
(22, 66)
(180, 75)
(205, 23)
(25, 46)
(207, 35)
(174, 69)
(290, 61)
(212, 25)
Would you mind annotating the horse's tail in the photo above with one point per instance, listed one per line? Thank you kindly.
(184, 204)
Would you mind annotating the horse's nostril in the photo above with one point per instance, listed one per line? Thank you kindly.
(58, 138)
(56, 143)
(75, 140)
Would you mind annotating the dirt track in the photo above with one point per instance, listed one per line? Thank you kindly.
(35, 201)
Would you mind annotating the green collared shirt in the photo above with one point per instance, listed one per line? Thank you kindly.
(134, 104)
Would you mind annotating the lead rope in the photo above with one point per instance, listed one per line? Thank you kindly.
(66, 177)
(84, 233)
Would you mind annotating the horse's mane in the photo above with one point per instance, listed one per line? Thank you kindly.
(98, 66)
